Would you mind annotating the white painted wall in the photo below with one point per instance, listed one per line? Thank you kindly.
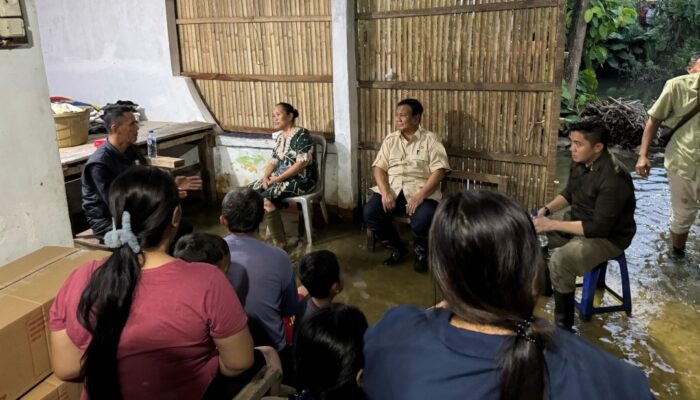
(100, 51)
(33, 209)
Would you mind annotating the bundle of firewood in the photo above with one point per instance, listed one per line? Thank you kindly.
(625, 119)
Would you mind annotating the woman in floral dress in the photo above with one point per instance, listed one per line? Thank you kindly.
(290, 172)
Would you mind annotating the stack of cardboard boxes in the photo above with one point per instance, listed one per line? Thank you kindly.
(28, 286)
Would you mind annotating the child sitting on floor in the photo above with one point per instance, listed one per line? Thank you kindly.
(212, 249)
(319, 272)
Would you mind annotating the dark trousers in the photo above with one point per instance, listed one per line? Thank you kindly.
(379, 221)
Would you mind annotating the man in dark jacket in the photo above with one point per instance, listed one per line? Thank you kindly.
(115, 156)
(601, 223)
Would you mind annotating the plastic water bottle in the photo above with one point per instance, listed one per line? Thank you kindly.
(151, 143)
(542, 237)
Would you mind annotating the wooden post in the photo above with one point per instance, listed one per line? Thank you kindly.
(206, 168)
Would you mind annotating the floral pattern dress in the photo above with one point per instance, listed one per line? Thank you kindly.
(299, 147)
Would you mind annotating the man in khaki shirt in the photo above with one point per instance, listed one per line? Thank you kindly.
(682, 157)
(408, 170)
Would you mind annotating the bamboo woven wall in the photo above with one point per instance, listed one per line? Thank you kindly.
(247, 56)
(487, 72)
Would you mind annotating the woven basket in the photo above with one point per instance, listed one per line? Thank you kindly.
(72, 128)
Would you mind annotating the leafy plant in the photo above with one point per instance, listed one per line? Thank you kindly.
(630, 48)
(604, 18)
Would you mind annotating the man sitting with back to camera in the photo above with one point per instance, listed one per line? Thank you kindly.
(601, 222)
(116, 155)
(408, 170)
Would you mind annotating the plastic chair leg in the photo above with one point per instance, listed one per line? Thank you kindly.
(307, 221)
(322, 203)
(626, 292)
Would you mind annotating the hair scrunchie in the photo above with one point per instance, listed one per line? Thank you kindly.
(117, 238)
(522, 327)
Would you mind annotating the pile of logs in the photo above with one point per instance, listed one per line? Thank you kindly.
(624, 118)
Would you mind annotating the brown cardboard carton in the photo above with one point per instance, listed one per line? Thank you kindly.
(24, 266)
(41, 287)
(24, 359)
(31, 286)
(66, 390)
(54, 389)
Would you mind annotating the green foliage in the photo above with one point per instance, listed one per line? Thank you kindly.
(604, 18)
(630, 48)
(586, 88)
(678, 22)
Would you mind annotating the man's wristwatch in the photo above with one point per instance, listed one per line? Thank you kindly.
(547, 211)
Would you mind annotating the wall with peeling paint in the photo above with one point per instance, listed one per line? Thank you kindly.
(33, 208)
(240, 161)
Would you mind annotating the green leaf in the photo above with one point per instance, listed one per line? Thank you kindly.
(588, 16)
(603, 31)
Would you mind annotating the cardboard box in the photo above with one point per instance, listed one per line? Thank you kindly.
(24, 359)
(41, 287)
(54, 389)
(27, 265)
(24, 308)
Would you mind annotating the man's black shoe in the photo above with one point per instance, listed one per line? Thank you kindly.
(420, 264)
(397, 253)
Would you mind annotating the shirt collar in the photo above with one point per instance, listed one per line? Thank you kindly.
(696, 76)
(417, 136)
(598, 163)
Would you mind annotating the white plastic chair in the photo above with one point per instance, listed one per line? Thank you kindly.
(316, 194)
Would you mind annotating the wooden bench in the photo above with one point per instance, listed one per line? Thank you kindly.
(455, 182)
(87, 240)
(263, 381)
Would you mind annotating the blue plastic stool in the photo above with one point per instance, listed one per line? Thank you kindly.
(596, 280)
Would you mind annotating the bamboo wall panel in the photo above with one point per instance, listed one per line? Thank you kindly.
(487, 72)
(257, 8)
(516, 46)
(245, 57)
(237, 110)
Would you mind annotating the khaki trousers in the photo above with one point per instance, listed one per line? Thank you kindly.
(685, 202)
(574, 257)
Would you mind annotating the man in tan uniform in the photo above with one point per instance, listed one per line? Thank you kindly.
(682, 157)
(408, 170)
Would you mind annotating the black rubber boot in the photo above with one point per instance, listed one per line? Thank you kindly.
(547, 290)
(564, 310)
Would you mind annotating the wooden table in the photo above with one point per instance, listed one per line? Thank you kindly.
(168, 134)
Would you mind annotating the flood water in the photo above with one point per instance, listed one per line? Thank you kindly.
(662, 336)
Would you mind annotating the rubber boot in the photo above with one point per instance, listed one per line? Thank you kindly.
(547, 290)
(564, 310)
(275, 228)
(678, 242)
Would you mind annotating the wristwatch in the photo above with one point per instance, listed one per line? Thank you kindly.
(546, 211)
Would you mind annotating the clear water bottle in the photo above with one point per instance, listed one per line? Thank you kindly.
(152, 144)
(542, 237)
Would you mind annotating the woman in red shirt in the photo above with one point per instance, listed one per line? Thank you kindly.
(143, 324)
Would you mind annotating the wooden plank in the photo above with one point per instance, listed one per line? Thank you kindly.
(255, 129)
(470, 86)
(469, 8)
(166, 162)
(165, 132)
(254, 19)
(257, 78)
(206, 169)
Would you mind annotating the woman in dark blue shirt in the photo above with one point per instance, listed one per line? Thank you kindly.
(485, 343)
